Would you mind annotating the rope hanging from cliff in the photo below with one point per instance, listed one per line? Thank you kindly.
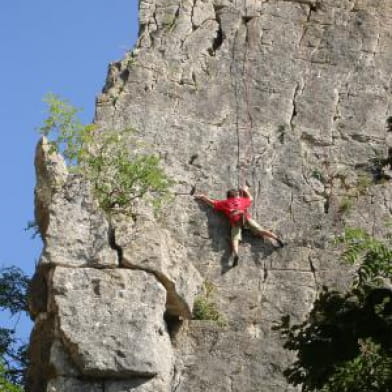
(236, 86)
(247, 76)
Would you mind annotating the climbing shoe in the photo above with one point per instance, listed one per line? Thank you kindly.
(280, 242)
(235, 260)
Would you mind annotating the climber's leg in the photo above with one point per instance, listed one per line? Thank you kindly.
(236, 237)
(259, 231)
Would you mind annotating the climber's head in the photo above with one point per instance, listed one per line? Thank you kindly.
(232, 193)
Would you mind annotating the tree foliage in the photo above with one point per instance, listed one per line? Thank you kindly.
(345, 343)
(373, 258)
(13, 290)
(119, 175)
(5, 384)
(110, 160)
(369, 371)
(13, 298)
(67, 133)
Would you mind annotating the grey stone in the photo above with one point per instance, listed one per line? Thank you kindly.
(111, 321)
(78, 231)
(147, 246)
(62, 384)
(41, 339)
(61, 361)
(291, 95)
(139, 385)
(304, 91)
(51, 173)
(38, 293)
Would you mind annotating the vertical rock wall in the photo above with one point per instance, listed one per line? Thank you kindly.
(293, 96)
(101, 303)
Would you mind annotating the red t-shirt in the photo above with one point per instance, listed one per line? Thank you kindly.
(232, 204)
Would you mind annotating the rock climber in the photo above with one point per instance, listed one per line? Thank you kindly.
(235, 207)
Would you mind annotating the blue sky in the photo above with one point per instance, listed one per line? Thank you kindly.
(55, 46)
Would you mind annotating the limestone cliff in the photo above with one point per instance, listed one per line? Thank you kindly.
(293, 96)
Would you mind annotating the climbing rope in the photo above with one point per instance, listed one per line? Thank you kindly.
(247, 77)
(249, 126)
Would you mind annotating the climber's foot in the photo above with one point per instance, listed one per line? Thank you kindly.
(235, 260)
(279, 242)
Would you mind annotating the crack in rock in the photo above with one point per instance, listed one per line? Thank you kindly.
(176, 304)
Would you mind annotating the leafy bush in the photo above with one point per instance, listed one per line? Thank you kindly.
(205, 309)
(374, 257)
(108, 159)
(318, 175)
(370, 371)
(345, 343)
(120, 176)
(363, 184)
(345, 205)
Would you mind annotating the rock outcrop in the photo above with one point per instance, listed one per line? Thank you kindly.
(294, 97)
(102, 302)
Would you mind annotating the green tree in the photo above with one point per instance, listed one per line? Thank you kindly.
(13, 298)
(369, 371)
(5, 384)
(345, 343)
(111, 160)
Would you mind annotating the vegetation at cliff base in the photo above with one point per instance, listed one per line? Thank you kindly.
(112, 160)
(345, 343)
(205, 309)
(13, 298)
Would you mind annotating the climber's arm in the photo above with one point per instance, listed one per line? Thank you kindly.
(205, 199)
(246, 193)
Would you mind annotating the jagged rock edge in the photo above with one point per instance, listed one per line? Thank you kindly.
(175, 304)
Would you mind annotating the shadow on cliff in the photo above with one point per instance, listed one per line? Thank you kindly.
(219, 233)
(259, 248)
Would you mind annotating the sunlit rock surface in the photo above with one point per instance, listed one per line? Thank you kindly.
(293, 96)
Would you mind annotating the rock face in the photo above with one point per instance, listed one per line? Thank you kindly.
(293, 96)
(103, 304)
(113, 319)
